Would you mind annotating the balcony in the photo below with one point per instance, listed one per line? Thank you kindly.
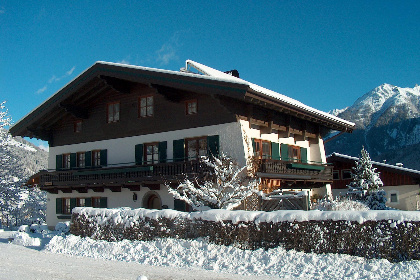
(278, 169)
(133, 176)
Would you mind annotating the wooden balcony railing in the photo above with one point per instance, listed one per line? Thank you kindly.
(175, 170)
(295, 170)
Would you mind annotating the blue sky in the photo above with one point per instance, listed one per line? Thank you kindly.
(325, 54)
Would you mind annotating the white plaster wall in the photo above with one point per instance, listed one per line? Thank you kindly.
(316, 152)
(121, 150)
(408, 197)
(114, 200)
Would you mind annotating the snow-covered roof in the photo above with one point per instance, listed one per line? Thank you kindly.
(290, 101)
(375, 163)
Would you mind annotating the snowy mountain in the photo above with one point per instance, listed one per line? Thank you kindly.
(19, 159)
(384, 105)
(387, 124)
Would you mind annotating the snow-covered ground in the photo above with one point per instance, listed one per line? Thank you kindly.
(50, 256)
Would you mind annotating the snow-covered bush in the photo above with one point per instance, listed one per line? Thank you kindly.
(376, 200)
(226, 187)
(24, 228)
(39, 228)
(340, 204)
(63, 227)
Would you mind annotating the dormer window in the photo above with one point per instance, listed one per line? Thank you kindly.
(113, 112)
(191, 107)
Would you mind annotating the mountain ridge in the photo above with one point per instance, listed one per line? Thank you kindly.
(387, 122)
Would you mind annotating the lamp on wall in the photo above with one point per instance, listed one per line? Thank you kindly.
(134, 196)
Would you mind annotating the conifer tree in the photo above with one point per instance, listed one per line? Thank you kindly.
(365, 183)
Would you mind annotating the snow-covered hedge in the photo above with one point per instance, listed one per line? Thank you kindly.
(394, 235)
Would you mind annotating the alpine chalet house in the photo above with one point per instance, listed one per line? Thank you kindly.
(118, 132)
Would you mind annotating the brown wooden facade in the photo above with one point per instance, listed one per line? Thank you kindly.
(389, 174)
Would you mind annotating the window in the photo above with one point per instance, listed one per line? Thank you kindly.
(346, 174)
(66, 208)
(96, 202)
(294, 153)
(78, 126)
(146, 106)
(394, 198)
(151, 153)
(113, 112)
(81, 159)
(66, 161)
(336, 175)
(196, 147)
(262, 149)
(96, 158)
(191, 107)
(81, 202)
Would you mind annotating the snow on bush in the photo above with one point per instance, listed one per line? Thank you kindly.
(39, 228)
(24, 239)
(371, 234)
(63, 227)
(340, 204)
(226, 187)
(24, 228)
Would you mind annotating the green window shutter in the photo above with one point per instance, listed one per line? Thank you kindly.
(72, 203)
(162, 151)
(138, 150)
(275, 151)
(58, 162)
(88, 159)
(304, 155)
(284, 149)
(88, 202)
(179, 205)
(178, 153)
(213, 145)
(104, 157)
(73, 160)
(104, 202)
(58, 206)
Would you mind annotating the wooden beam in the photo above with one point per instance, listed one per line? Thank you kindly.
(75, 111)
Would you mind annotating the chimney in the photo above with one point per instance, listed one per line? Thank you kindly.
(233, 73)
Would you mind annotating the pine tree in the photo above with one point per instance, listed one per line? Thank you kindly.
(228, 185)
(365, 183)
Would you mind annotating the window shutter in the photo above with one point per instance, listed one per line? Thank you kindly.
(304, 155)
(72, 203)
(284, 148)
(104, 157)
(213, 145)
(88, 202)
(88, 159)
(58, 206)
(179, 205)
(59, 162)
(254, 146)
(73, 160)
(162, 151)
(104, 202)
(178, 153)
(275, 151)
(139, 154)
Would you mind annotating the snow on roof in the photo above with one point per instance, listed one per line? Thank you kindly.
(290, 101)
(377, 163)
